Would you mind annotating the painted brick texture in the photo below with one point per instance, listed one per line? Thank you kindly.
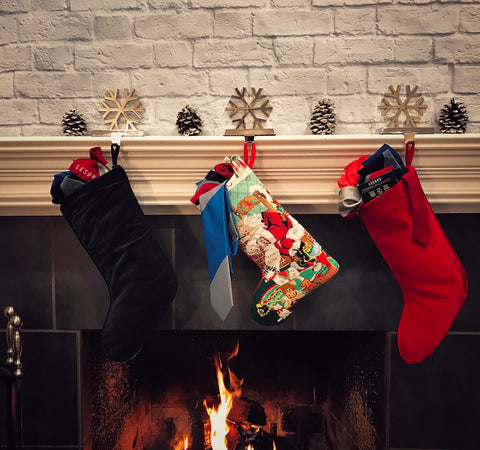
(56, 55)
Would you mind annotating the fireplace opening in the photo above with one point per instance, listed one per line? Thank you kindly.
(290, 390)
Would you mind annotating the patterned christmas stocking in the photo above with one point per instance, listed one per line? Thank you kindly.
(108, 221)
(291, 261)
(406, 231)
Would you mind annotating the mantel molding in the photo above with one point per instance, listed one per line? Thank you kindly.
(301, 171)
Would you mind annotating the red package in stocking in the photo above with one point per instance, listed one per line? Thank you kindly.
(433, 280)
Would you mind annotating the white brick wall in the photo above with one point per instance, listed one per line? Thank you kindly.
(61, 54)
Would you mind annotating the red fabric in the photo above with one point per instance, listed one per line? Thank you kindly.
(278, 224)
(96, 155)
(409, 152)
(86, 169)
(433, 280)
(420, 210)
(205, 187)
(250, 161)
(322, 258)
(224, 169)
(350, 177)
(284, 245)
(380, 172)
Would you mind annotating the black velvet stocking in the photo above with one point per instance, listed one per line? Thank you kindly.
(105, 216)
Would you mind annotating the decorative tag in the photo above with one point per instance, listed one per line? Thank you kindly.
(377, 186)
(86, 169)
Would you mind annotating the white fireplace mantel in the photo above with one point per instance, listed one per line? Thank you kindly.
(301, 171)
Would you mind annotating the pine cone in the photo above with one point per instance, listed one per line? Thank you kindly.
(73, 124)
(323, 119)
(453, 118)
(188, 122)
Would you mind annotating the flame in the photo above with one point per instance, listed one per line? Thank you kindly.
(181, 444)
(274, 446)
(218, 415)
(234, 352)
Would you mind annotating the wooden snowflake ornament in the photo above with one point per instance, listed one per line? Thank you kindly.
(249, 112)
(402, 111)
(127, 110)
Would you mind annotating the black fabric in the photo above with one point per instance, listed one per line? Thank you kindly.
(108, 221)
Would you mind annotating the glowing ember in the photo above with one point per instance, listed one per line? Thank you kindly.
(218, 415)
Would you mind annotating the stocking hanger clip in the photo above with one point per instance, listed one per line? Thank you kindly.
(249, 140)
(115, 146)
(249, 144)
(408, 138)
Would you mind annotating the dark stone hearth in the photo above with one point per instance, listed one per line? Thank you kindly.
(435, 404)
(303, 419)
(62, 300)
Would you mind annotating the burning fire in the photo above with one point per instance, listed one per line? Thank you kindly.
(219, 414)
(182, 444)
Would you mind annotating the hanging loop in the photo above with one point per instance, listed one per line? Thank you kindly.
(409, 152)
(408, 137)
(114, 150)
(115, 147)
(249, 160)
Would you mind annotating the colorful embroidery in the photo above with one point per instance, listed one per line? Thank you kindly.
(291, 261)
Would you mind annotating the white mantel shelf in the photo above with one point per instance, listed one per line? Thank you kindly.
(300, 171)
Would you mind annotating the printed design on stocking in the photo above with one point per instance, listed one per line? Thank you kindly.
(291, 261)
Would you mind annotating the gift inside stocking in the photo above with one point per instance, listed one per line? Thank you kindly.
(292, 262)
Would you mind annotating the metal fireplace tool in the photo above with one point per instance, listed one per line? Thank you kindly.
(11, 373)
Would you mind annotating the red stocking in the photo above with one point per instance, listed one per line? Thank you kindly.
(433, 280)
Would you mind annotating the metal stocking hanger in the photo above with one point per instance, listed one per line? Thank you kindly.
(249, 144)
(257, 108)
(115, 147)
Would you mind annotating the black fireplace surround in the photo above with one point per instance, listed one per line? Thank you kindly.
(347, 325)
